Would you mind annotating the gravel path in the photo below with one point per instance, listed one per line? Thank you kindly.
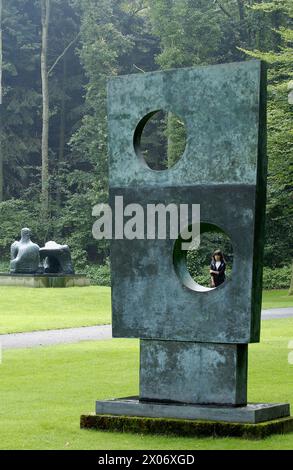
(90, 333)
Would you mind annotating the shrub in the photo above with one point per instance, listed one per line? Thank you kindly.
(99, 274)
(4, 266)
(277, 278)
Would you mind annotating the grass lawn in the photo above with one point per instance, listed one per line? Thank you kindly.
(44, 390)
(25, 309)
(276, 299)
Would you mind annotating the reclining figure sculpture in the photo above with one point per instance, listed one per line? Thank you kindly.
(28, 258)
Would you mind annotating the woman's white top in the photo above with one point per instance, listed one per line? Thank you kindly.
(218, 264)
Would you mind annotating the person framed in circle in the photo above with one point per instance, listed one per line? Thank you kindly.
(217, 268)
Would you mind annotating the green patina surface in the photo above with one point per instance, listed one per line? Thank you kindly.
(223, 169)
(219, 106)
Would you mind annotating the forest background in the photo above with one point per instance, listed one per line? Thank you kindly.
(55, 57)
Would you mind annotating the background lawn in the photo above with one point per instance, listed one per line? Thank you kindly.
(44, 391)
(276, 299)
(25, 309)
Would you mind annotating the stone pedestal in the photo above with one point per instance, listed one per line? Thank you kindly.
(191, 388)
(43, 280)
(251, 413)
(185, 427)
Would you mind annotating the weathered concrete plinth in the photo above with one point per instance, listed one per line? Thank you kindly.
(255, 420)
(43, 280)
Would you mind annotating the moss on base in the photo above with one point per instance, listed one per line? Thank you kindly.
(184, 427)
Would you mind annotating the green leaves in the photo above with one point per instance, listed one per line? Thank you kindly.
(120, 37)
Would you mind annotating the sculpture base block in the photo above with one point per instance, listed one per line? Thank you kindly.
(251, 413)
(195, 373)
(187, 428)
(44, 280)
(256, 420)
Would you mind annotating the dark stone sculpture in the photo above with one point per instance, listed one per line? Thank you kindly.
(25, 258)
(56, 258)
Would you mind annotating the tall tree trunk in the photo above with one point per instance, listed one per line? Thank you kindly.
(61, 132)
(241, 7)
(45, 5)
(244, 34)
(1, 130)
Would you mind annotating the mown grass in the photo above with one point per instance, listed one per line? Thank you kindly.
(276, 299)
(45, 390)
(26, 309)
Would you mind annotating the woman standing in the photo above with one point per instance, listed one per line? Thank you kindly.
(217, 269)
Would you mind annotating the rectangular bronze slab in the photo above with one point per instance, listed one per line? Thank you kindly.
(223, 169)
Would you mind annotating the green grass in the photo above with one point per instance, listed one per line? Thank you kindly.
(45, 390)
(276, 299)
(27, 309)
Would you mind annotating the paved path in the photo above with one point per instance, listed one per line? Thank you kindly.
(90, 333)
(277, 313)
(46, 338)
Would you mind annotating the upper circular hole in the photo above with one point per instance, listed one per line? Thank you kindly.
(160, 139)
(193, 266)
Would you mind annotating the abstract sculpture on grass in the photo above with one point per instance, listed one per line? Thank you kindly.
(193, 355)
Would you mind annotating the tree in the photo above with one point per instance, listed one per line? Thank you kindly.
(88, 41)
(201, 32)
(46, 72)
(45, 16)
(107, 40)
(279, 56)
(1, 66)
(20, 95)
(21, 130)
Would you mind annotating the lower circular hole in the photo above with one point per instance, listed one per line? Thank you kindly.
(215, 253)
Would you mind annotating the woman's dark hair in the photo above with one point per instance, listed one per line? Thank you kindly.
(218, 252)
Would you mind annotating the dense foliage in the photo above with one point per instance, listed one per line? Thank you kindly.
(90, 40)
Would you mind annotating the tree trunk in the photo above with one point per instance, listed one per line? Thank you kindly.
(1, 130)
(241, 9)
(45, 95)
(242, 26)
(61, 132)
